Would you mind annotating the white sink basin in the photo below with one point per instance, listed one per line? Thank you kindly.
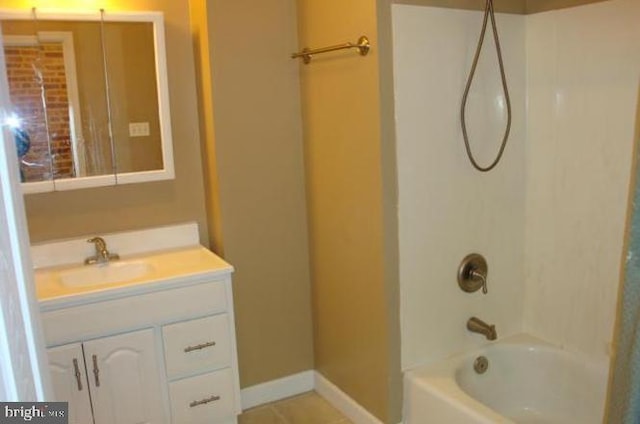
(109, 273)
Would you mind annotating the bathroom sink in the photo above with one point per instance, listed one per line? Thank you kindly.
(108, 273)
(74, 283)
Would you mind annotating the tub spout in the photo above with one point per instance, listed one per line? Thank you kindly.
(476, 325)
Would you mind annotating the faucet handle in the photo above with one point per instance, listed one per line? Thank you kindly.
(102, 254)
(98, 241)
(478, 275)
(472, 273)
(101, 247)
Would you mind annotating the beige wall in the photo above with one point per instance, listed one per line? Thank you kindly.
(341, 98)
(200, 36)
(390, 208)
(100, 210)
(505, 6)
(258, 198)
(535, 6)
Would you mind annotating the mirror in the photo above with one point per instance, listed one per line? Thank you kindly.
(90, 98)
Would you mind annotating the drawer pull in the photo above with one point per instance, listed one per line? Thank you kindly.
(198, 347)
(96, 370)
(204, 401)
(76, 372)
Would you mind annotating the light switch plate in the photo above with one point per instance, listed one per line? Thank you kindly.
(139, 129)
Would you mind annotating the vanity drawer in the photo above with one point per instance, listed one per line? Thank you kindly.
(91, 320)
(204, 399)
(198, 345)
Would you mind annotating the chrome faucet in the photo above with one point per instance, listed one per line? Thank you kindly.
(102, 254)
(476, 325)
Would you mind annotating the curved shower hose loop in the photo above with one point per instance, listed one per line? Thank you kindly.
(487, 12)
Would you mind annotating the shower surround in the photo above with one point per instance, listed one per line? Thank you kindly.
(550, 219)
(447, 209)
(583, 76)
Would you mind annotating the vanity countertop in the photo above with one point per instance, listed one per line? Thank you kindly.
(163, 270)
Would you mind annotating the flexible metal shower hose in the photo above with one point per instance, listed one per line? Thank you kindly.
(487, 12)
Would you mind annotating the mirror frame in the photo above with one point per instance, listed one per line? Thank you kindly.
(162, 85)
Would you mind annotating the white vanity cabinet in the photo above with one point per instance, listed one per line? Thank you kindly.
(69, 379)
(156, 352)
(120, 372)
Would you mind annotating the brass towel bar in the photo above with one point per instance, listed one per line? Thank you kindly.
(362, 45)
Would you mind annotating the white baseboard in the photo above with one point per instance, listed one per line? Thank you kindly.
(303, 382)
(274, 390)
(343, 402)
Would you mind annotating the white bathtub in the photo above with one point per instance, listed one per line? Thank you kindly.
(528, 381)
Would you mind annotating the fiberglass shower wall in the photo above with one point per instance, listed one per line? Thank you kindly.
(582, 79)
(550, 218)
(447, 208)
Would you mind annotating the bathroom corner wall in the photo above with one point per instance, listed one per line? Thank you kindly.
(389, 172)
(583, 79)
(107, 209)
(502, 6)
(349, 205)
(536, 6)
(250, 109)
(448, 209)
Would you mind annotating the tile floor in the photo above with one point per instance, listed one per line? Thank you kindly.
(308, 408)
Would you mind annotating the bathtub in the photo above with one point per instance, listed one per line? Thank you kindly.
(527, 381)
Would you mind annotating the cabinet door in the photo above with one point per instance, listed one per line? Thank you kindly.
(68, 375)
(125, 379)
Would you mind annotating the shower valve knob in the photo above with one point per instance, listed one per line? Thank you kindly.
(472, 274)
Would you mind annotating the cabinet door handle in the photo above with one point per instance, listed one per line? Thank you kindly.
(204, 401)
(96, 370)
(76, 372)
(198, 347)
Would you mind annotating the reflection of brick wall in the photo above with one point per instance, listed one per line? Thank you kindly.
(26, 98)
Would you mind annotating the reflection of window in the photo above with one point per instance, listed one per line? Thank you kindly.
(33, 63)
